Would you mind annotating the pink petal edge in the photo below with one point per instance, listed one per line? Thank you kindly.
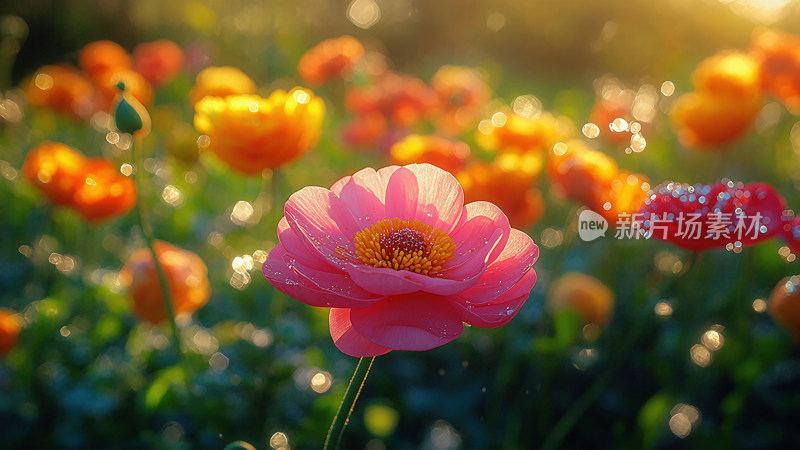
(515, 260)
(500, 311)
(347, 339)
(408, 322)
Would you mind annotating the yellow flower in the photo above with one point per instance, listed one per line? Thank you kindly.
(221, 82)
(250, 133)
(441, 152)
(509, 132)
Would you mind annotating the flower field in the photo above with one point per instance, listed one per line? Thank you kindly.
(399, 224)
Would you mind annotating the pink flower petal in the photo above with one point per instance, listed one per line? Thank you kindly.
(363, 195)
(337, 187)
(327, 289)
(500, 311)
(426, 193)
(318, 217)
(347, 339)
(479, 240)
(299, 247)
(336, 283)
(408, 322)
(385, 281)
(516, 259)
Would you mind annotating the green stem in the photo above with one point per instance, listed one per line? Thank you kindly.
(576, 411)
(348, 402)
(147, 232)
(268, 198)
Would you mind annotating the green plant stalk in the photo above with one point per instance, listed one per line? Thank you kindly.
(576, 411)
(148, 238)
(348, 403)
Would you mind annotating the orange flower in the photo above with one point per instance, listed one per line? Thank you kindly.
(509, 132)
(443, 153)
(364, 130)
(706, 120)
(462, 93)
(401, 99)
(92, 187)
(158, 61)
(187, 278)
(62, 89)
(10, 326)
(778, 56)
(250, 133)
(730, 73)
(725, 103)
(585, 295)
(221, 82)
(784, 306)
(103, 192)
(626, 194)
(55, 169)
(330, 59)
(99, 58)
(604, 112)
(580, 172)
(508, 183)
(594, 179)
(135, 86)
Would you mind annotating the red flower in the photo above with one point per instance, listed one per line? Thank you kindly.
(462, 93)
(400, 259)
(401, 99)
(158, 61)
(364, 130)
(700, 217)
(330, 60)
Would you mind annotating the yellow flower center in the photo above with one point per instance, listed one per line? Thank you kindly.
(404, 245)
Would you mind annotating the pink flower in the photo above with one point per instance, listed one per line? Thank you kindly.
(400, 260)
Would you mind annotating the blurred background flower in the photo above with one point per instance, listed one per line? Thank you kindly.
(250, 133)
(187, 277)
